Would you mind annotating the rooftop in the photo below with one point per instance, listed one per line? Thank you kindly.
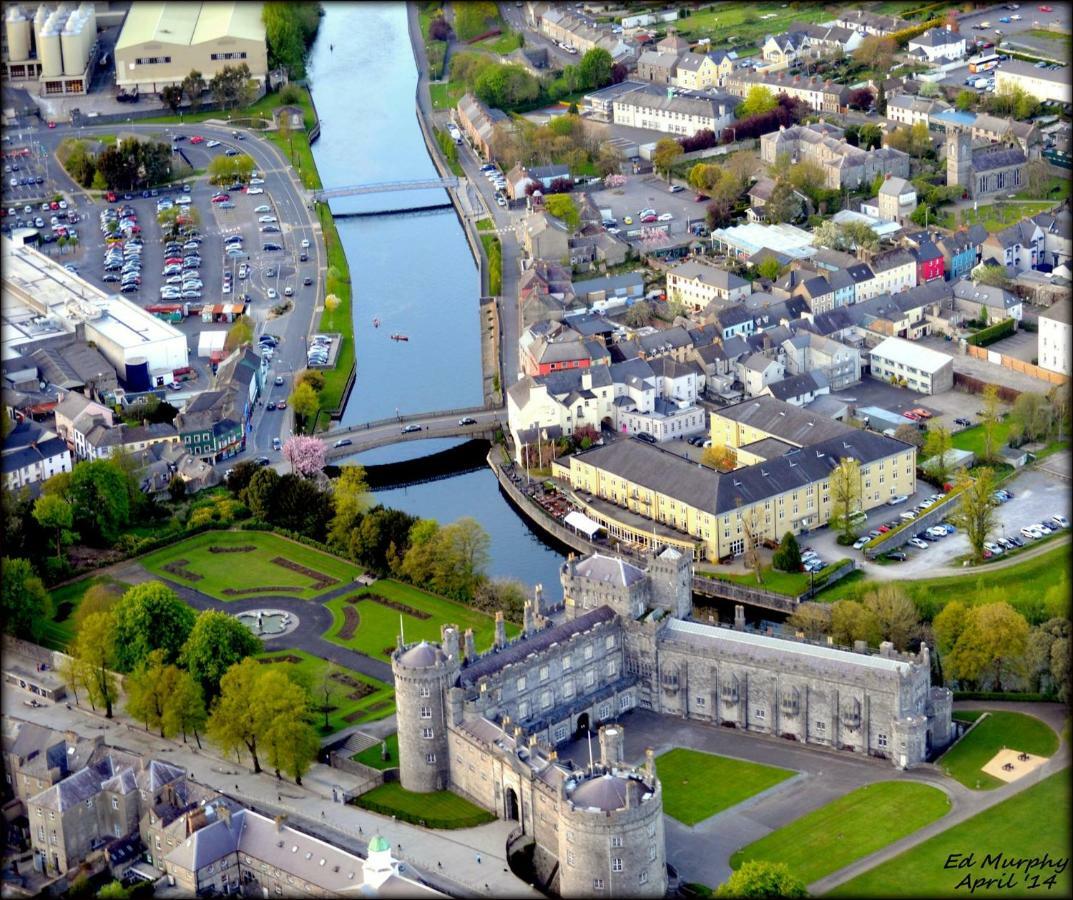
(190, 23)
(910, 353)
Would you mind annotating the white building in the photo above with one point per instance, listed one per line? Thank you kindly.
(697, 284)
(938, 44)
(894, 270)
(905, 109)
(1054, 343)
(745, 240)
(32, 454)
(657, 109)
(1046, 84)
(919, 368)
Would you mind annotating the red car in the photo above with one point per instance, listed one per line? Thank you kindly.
(648, 219)
(55, 204)
(111, 197)
(197, 139)
(220, 198)
(1045, 9)
(921, 413)
(911, 415)
(51, 124)
(700, 198)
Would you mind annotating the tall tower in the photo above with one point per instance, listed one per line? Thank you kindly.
(671, 574)
(423, 674)
(958, 158)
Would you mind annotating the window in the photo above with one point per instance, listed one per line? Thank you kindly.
(560, 733)
(237, 55)
(612, 668)
(570, 858)
(652, 851)
(624, 702)
(426, 712)
(698, 701)
(609, 643)
(642, 876)
(521, 683)
(616, 864)
(821, 726)
(545, 672)
(605, 710)
(567, 661)
(568, 688)
(760, 713)
(425, 692)
(430, 758)
(616, 841)
(590, 678)
(546, 699)
(426, 732)
(40, 832)
(597, 884)
(115, 803)
(588, 651)
(881, 740)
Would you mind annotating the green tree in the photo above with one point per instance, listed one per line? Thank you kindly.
(975, 513)
(464, 555)
(148, 689)
(239, 334)
(350, 496)
(289, 740)
(260, 494)
(639, 314)
(101, 500)
(965, 100)
(595, 68)
(877, 54)
(758, 878)
(758, 99)
(305, 401)
(217, 642)
(992, 643)
(1035, 414)
(936, 447)
(784, 205)
(237, 718)
(26, 605)
(185, 711)
(150, 617)
(172, 95)
(852, 621)
(194, 86)
(845, 494)
(283, 35)
(813, 620)
(769, 268)
(56, 514)
(703, 177)
(666, 155)
(895, 614)
(948, 625)
(870, 137)
(94, 652)
(788, 557)
(910, 434)
(1040, 656)
(177, 488)
(101, 597)
(114, 890)
(562, 206)
(990, 418)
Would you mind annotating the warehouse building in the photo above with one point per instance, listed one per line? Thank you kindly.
(918, 368)
(162, 42)
(1046, 84)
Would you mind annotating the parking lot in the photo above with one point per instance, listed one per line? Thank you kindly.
(26, 178)
(650, 192)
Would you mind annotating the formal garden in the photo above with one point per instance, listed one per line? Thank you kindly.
(439, 809)
(232, 565)
(997, 731)
(849, 828)
(369, 619)
(698, 785)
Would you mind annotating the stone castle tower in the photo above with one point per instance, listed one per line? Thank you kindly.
(671, 577)
(423, 673)
(958, 157)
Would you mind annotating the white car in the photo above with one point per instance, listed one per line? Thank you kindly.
(908, 516)
(918, 543)
(1030, 533)
(272, 295)
(664, 217)
(183, 200)
(305, 242)
(860, 542)
(266, 220)
(254, 190)
(937, 531)
(1060, 521)
(212, 143)
(257, 181)
(993, 548)
(263, 208)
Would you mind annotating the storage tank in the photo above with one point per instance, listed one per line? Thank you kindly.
(49, 51)
(137, 374)
(18, 35)
(75, 49)
(89, 13)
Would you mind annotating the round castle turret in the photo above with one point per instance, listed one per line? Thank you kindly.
(423, 673)
(611, 840)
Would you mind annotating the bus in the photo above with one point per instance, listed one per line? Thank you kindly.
(983, 63)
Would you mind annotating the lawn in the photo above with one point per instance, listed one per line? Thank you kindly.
(59, 631)
(849, 828)
(1057, 188)
(967, 715)
(240, 571)
(501, 44)
(1023, 586)
(791, 583)
(973, 438)
(1000, 729)
(340, 321)
(746, 21)
(1030, 824)
(1047, 34)
(421, 615)
(494, 251)
(370, 756)
(995, 217)
(446, 94)
(698, 785)
(377, 700)
(440, 809)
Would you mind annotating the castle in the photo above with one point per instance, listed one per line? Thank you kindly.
(486, 725)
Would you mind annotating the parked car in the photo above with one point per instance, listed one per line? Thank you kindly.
(897, 556)
(918, 543)
(467, 420)
(894, 501)
(860, 542)
(645, 436)
(343, 442)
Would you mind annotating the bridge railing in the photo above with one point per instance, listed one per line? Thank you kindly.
(404, 418)
(381, 187)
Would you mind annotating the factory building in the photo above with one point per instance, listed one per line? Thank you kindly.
(53, 45)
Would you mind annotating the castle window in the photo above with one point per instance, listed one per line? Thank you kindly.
(546, 699)
(605, 710)
(115, 803)
(881, 740)
(425, 692)
(570, 839)
(610, 641)
(544, 673)
(523, 709)
(560, 733)
(760, 713)
(430, 758)
(568, 688)
(699, 701)
(426, 732)
(566, 662)
(426, 712)
(597, 884)
(642, 876)
(521, 683)
(616, 864)
(652, 850)
(570, 858)
(821, 726)
(590, 678)
(616, 840)
(588, 651)
(612, 667)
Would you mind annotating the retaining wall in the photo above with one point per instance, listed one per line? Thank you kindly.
(895, 539)
(1015, 365)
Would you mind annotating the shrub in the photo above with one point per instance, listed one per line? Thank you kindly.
(993, 333)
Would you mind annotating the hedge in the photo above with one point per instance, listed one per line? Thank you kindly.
(1005, 695)
(992, 333)
(424, 821)
(904, 36)
(911, 523)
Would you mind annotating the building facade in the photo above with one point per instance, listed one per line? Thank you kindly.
(919, 368)
(1055, 346)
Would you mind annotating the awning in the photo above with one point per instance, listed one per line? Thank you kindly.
(581, 522)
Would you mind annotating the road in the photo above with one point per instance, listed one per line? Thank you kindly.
(367, 435)
(294, 211)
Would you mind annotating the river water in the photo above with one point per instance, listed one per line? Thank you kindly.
(414, 273)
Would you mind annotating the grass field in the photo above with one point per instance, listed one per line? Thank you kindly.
(221, 571)
(1023, 586)
(59, 631)
(995, 217)
(747, 21)
(967, 715)
(370, 756)
(501, 44)
(309, 671)
(446, 94)
(863, 821)
(375, 635)
(494, 251)
(1032, 823)
(1000, 729)
(698, 785)
(792, 583)
(973, 438)
(441, 809)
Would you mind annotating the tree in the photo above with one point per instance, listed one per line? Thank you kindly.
(305, 401)
(877, 54)
(813, 620)
(595, 68)
(852, 621)
(975, 513)
(231, 87)
(936, 447)
(465, 553)
(869, 137)
(288, 738)
(101, 500)
(806, 176)
(769, 268)
(350, 500)
(881, 102)
(501, 594)
(55, 513)
(948, 625)
(114, 890)
(26, 606)
(784, 205)
(1040, 657)
(101, 597)
(788, 557)
(217, 641)
(237, 717)
(150, 617)
(185, 711)
(331, 303)
(666, 155)
(758, 100)
(326, 690)
(1037, 178)
(177, 488)
(382, 539)
(845, 494)
(562, 206)
(172, 95)
(193, 86)
(148, 690)
(639, 314)
(758, 878)
(719, 456)
(94, 652)
(993, 642)
(910, 434)
(990, 418)
(284, 39)
(703, 177)
(1035, 414)
(260, 494)
(1059, 398)
(861, 98)
(305, 454)
(929, 89)
(895, 614)
(313, 378)
(965, 100)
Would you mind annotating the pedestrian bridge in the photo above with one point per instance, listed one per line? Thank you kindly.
(385, 187)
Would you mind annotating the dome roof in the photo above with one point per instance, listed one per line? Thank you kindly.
(608, 792)
(422, 655)
(379, 844)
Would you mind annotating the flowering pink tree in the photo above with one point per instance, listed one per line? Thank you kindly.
(305, 454)
(615, 181)
(653, 238)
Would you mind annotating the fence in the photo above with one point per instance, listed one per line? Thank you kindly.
(756, 596)
(1015, 365)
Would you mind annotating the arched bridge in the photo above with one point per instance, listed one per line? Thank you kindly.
(384, 187)
(349, 439)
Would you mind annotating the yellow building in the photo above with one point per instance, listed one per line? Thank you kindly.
(651, 496)
(697, 72)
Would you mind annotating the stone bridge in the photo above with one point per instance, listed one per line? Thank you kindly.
(348, 439)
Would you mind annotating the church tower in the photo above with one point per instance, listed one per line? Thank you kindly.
(958, 158)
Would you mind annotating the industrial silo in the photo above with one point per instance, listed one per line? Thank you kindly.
(18, 35)
(49, 51)
(75, 49)
(137, 374)
(88, 10)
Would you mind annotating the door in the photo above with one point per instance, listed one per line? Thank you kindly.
(510, 805)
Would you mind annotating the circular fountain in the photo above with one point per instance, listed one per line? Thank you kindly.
(268, 623)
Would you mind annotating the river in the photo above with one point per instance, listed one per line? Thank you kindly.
(414, 273)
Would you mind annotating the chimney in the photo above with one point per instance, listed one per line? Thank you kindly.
(886, 649)
(860, 646)
(449, 636)
(471, 647)
(501, 630)
(279, 820)
(739, 617)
